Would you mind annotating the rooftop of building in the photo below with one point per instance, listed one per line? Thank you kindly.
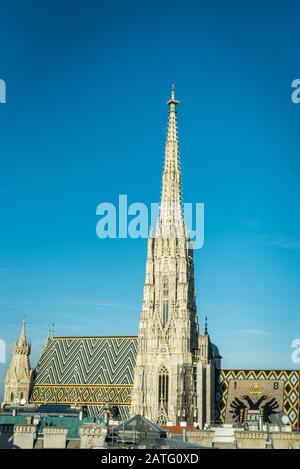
(48, 416)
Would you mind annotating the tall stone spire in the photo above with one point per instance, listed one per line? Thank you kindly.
(168, 331)
(171, 198)
(19, 374)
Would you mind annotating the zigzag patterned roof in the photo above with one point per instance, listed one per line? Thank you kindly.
(87, 360)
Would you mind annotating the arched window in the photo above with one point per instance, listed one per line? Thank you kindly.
(165, 315)
(163, 388)
(21, 395)
(165, 304)
(12, 397)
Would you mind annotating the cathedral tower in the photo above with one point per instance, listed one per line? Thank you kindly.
(164, 389)
(19, 374)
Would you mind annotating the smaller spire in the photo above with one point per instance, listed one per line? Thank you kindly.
(22, 339)
(48, 338)
(22, 345)
(205, 329)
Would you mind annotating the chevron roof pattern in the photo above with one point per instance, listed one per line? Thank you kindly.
(95, 371)
(87, 360)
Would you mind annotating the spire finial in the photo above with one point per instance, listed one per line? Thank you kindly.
(23, 328)
(22, 340)
(172, 102)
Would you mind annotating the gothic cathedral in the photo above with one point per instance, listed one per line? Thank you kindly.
(169, 372)
(174, 376)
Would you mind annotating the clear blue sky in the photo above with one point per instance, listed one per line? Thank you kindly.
(85, 121)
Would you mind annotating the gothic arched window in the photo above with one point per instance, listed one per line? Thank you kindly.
(165, 315)
(165, 304)
(163, 388)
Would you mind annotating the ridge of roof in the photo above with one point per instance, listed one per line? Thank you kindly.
(101, 337)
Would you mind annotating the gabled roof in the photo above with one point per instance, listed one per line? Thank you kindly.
(135, 430)
(138, 423)
(91, 371)
(87, 360)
